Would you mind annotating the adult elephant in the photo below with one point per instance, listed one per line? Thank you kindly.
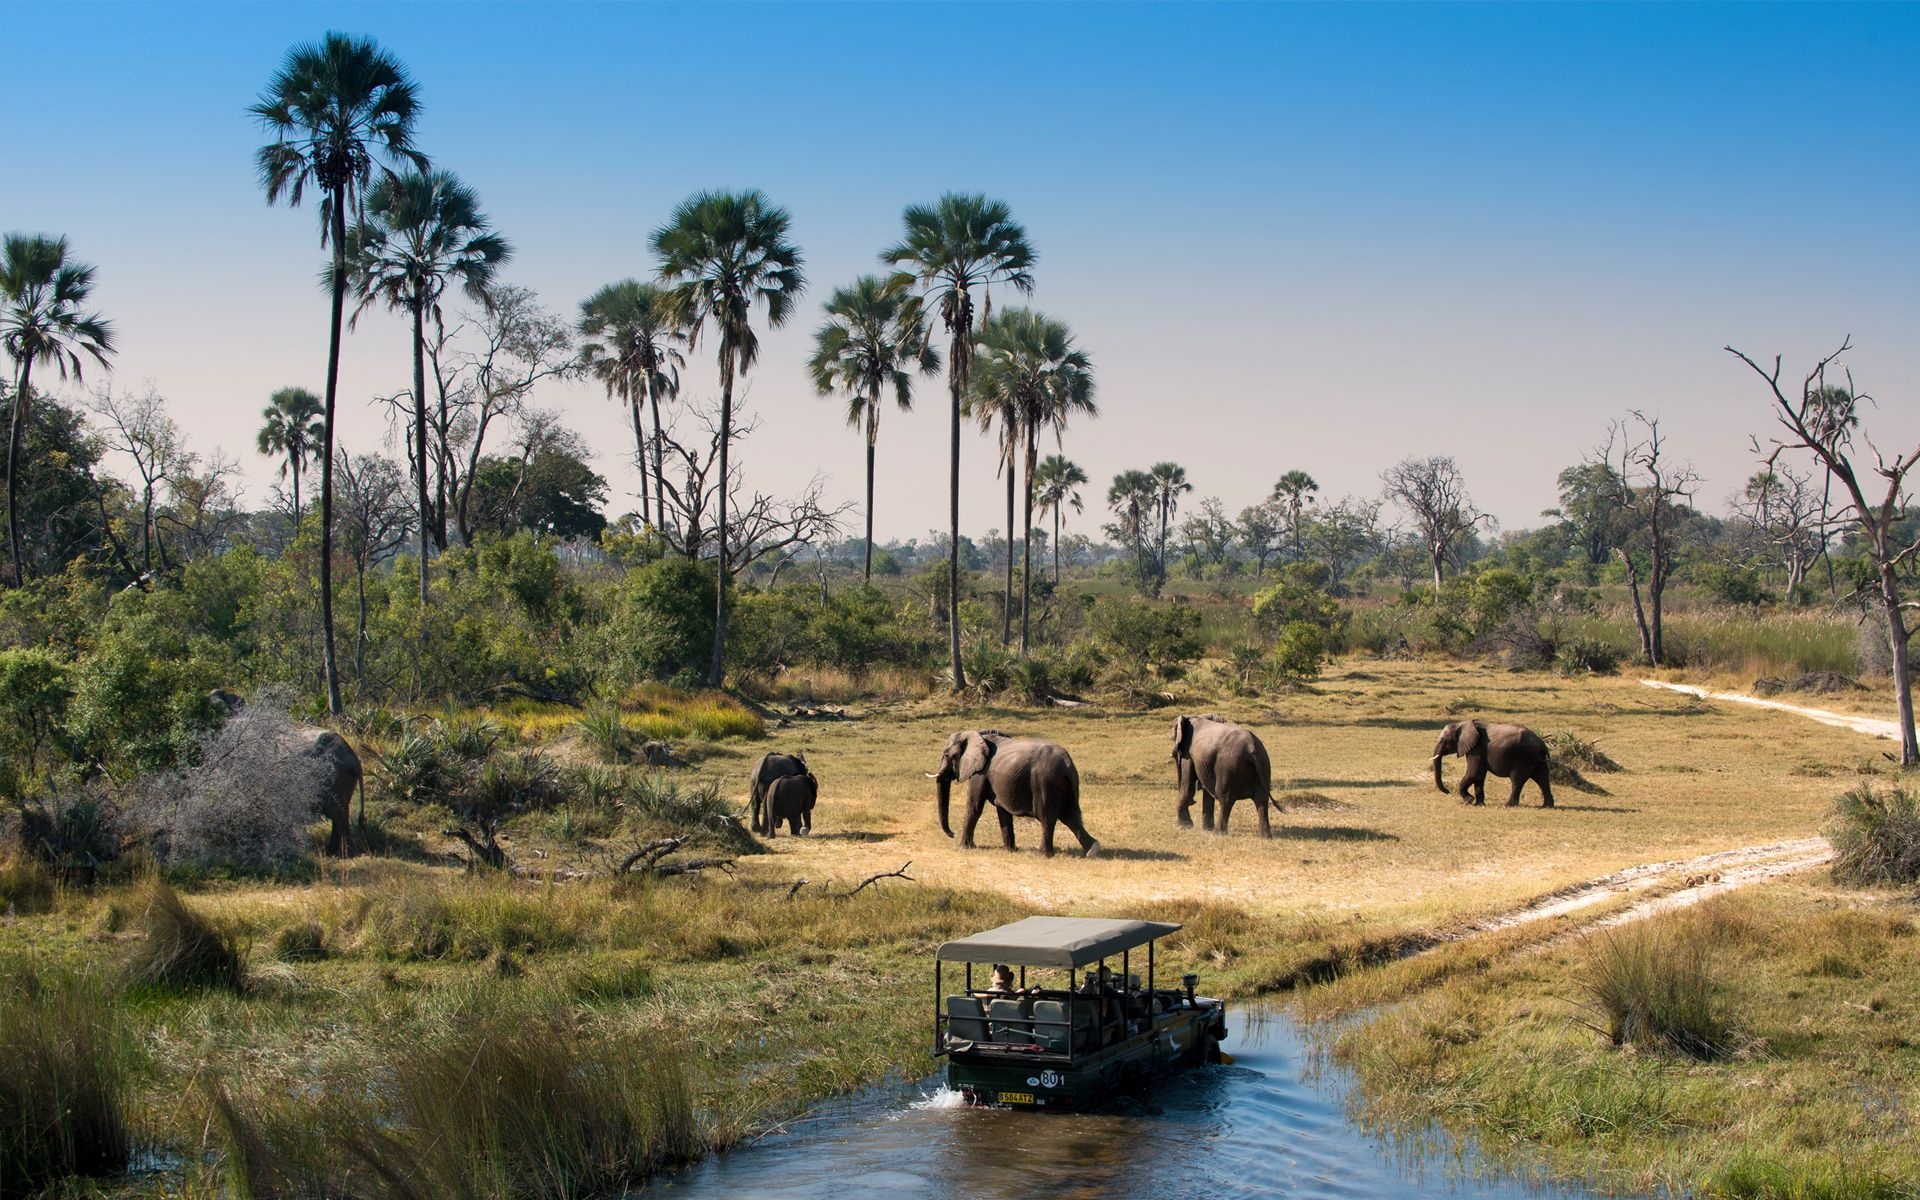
(1227, 762)
(790, 798)
(1509, 751)
(339, 771)
(1020, 777)
(772, 766)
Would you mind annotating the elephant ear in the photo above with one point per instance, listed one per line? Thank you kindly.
(1472, 735)
(980, 748)
(1182, 735)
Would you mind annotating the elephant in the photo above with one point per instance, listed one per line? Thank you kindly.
(1020, 777)
(1509, 751)
(790, 798)
(1227, 763)
(340, 768)
(772, 765)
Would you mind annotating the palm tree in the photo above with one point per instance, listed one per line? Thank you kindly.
(1029, 367)
(1057, 483)
(331, 107)
(1169, 482)
(292, 428)
(873, 339)
(421, 231)
(952, 247)
(987, 405)
(1132, 499)
(41, 322)
(727, 252)
(1294, 492)
(631, 339)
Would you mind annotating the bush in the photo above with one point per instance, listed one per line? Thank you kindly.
(1586, 656)
(1299, 650)
(74, 834)
(66, 1086)
(180, 950)
(1654, 990)
(1735, 585)
(1568, 746)
(33, 707)
(604, 734)
(1290, 603)
(1162, 637)
(1875, 835)
(662, 625)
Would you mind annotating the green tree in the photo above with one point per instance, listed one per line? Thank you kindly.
(332, 106)
(422, 231)
(727, 253)
(1030, 369)
(957, 246)
(1132, 498)
(631, 344)
(1293, 493)
(290, 427)
(873, 340)
(1169, 484)
(1057, 483)
(42, 292)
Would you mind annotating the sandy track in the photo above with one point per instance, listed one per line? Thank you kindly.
(1871, 726)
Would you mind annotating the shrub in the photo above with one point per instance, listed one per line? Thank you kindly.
(74, 834)
(1876, 835)
(66, 1086)
(604, 734)
(1735, 585)
(33, 706)
(1163, 637)
(1654, 990)
(1289, 603)
(662, 625)
(301, 941)
(1586, 656)
(698, 806)
(244, 801)
(1298, 650)
(1568, 746)
(178, 949)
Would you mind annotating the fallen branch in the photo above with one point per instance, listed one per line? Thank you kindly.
(648, 854)
(864, 883)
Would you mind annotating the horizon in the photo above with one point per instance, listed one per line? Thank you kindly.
(1427, 223)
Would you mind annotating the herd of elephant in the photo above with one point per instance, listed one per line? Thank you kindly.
(1224, 762)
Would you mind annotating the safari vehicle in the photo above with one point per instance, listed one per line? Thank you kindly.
(1082, 1033)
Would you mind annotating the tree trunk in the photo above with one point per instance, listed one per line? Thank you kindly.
(956, 383)
(360, 629)
(639, 453)
(873, 434)
(1639, 612)
(1026, 543)
(420, 446)
(329, 664)
(716, 674)
(1437, 555)
(1056, 545)
(1006, 604)
(293, 462)
(16, 429)
(1902, 681)
(659, 484)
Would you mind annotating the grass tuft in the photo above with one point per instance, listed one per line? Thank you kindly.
(180, 950)
(65, 1085)
(26, 887)
(1654, 990)
(1570, 746)
(1876, 835)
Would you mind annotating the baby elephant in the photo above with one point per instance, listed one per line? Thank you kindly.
(1509, 751)
(790, 798)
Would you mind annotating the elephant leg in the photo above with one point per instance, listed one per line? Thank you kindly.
(754, 814)
(1046, 835)
(1226, 812)
(1513, 798)
(976, 803)
(337, 839)
(1089, 847)
(1260, 805)
(772, 823)
(1006, 826)
(1185, 811)
(1206, 809)
(1541, 776)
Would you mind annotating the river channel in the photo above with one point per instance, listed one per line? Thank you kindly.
(1272, 1123)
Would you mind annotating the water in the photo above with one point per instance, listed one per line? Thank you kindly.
(1269, 1124)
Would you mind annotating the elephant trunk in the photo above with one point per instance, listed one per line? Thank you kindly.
(943, 784)
(1439, 779)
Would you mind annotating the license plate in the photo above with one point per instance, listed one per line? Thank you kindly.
(1016, 1097)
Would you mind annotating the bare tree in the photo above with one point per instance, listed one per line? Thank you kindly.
(1785, 515)
(375, 520)
(204, 505)
(1822, 421)
(139, 428)
(1434, 494)
(758, 524)
(1652, 492)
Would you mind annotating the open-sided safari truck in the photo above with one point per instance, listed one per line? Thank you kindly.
(1061, 1035)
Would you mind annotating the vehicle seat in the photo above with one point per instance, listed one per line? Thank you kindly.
(1050, 1025)
(1007, 1022)
(1083, 1024)
(966, 1020)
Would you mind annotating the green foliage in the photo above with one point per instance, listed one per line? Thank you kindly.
(604, 733)
(1568, 746)
(1165, 637)
(1654, 989)
(1876, 835)
(1735, 585)
(1299, 648)
(140, 698)
(857, 628)
(1498, 594)
(662, 625)
(1294, 602)
(67, 1085)
(34, 693)
(1586, 656)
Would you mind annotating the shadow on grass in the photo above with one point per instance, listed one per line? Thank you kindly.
(1333, 833)
(854, 835)
(1599, 808)
(1137, 854)
(1314, 785)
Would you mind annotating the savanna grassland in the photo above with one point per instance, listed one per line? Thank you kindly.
(746, 997)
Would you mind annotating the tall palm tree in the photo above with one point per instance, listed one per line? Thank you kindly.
(1132, 498)
(632, 346)
(1030, 367)
(873, 339)
(41, 294)
(727, 253)
(952, 248)
(1294, 492)
(987, 405)
(1056, 484)
(333, 105)
(1169, 483)
(421, 231)
(292, 429)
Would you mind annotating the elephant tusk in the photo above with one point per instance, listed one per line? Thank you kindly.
(932, 774)
(1434, 759)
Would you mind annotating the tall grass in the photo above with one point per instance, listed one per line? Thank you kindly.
(65, 1080)
(1653, 988)
(1741, 643)
(1875, 835)
(26, 886)
(178, 949)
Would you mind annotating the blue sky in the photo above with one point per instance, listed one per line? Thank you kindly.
(1323, 237)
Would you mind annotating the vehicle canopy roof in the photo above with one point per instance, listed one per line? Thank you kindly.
(1054, 941)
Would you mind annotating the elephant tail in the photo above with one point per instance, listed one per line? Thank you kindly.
(360, 785)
